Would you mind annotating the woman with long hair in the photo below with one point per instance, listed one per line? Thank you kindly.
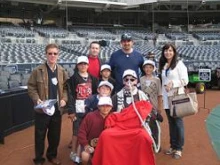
(174, 77)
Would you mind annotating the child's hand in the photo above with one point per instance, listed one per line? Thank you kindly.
(89, 149)
(72, 117)
(94, 142)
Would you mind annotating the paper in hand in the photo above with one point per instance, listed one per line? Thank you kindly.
(47, 106)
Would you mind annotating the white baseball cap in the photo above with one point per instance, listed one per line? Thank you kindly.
(82, 59)
(105, 101)
(102, 83)
(149, 62)
(129, 72)
(105, 66)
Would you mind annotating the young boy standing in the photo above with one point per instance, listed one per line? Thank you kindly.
(81, 85)
(105, 73)
(151, 85)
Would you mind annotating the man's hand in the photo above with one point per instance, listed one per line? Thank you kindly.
(62, 103)
(39, 101)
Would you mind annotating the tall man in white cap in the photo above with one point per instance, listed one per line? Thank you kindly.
(92, 126)
(123, 98)
(125, 58)
(81, 85)
(47, 82)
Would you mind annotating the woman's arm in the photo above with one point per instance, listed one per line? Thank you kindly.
(182, 76)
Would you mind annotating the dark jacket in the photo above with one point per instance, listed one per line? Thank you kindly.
(72, 93)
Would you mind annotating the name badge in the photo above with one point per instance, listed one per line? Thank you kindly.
(54, 81)
(80, 106)
(128, 100)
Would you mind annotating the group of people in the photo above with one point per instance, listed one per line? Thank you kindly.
(99, 94)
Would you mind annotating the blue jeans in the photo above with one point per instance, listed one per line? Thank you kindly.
(176, 129)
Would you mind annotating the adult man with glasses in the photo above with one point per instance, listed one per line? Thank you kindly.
(125, 58)
(47, 81)
(124, 97)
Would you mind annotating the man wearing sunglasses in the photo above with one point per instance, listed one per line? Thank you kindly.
(125, 58)
(47, 81)
(124, 97)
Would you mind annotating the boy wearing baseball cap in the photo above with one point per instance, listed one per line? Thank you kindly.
(151, 85)
(91, 127)
(105, 74)
(104, 89)
(124, 97)
(81, 86)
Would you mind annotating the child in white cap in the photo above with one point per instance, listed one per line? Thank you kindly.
(151, 85)
(104, 89)
(81, 85)
(123, 98)
(91, 127)
(105, 75)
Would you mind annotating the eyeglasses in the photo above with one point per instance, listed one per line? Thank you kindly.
(129, 79)
(52, 54)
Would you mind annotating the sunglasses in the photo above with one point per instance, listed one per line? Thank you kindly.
(53, 54)
(129, 79)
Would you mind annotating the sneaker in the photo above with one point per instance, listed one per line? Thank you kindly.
(72, 156)
(170, 151)
(77, 160)
(177, 154)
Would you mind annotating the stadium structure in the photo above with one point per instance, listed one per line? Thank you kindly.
(26, 26)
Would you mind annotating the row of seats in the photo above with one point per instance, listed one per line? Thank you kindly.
(15, 31)
(53, 32)
(203, 36)
(26, 54)
(177, 36)
(34, 53)
(10, 81)
(138, 34)
(93, 33)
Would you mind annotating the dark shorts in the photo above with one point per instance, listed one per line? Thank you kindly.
(77, 123)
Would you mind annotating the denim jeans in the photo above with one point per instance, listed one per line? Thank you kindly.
(176, 130)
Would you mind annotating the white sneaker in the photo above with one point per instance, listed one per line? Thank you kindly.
(177, 154)
(72, 156)
(77, 159)
(170, 151)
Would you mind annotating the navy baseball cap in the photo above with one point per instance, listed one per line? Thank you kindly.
(126, 37)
